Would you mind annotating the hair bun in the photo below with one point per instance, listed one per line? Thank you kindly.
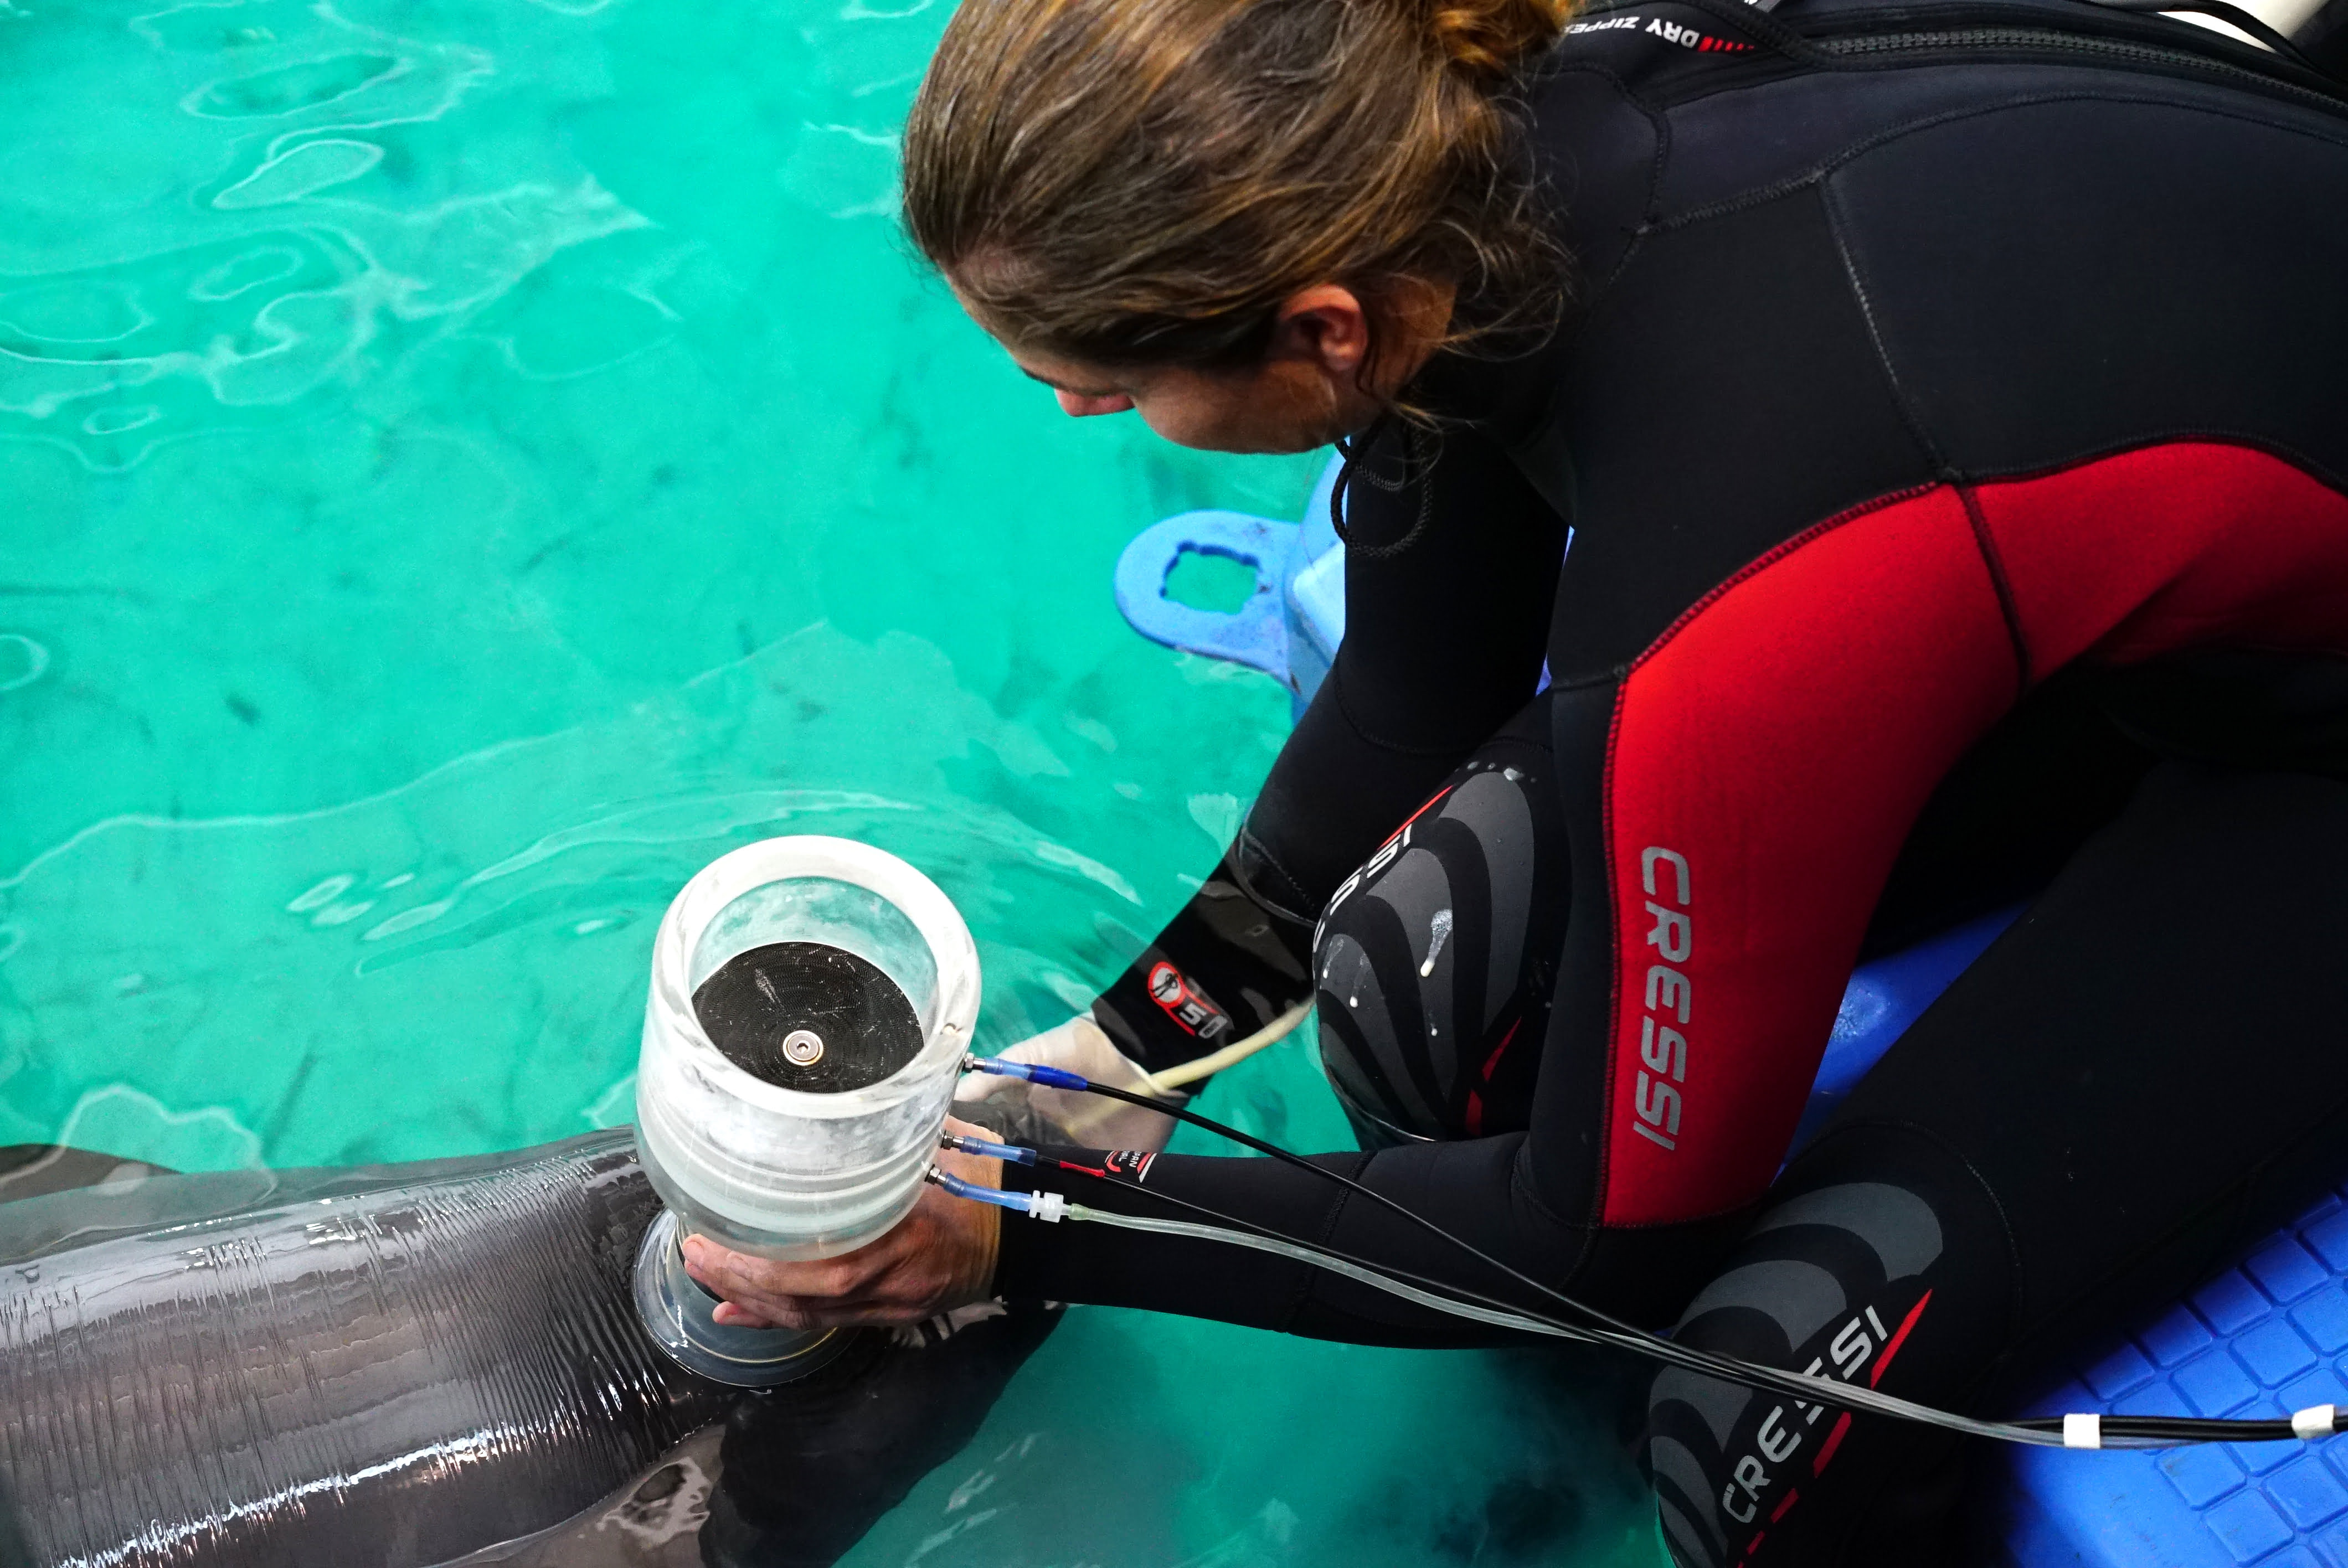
(1488, 39)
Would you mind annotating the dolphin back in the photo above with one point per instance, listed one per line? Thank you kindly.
(377, 1368)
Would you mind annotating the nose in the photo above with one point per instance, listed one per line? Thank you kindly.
(1076, 405)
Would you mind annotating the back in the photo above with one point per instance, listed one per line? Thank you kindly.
(1933, 364)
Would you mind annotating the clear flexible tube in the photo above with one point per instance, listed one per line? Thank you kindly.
(1846, 1395)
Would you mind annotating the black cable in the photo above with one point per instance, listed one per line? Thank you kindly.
(1751, 1375)
(1302, 1163)
(1440, 1286)
(1609, 1330)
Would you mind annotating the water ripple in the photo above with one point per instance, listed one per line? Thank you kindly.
(22, 661)
(299, 170)
(299, 261)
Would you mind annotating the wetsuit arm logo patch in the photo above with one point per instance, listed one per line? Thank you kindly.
(1183, 1002)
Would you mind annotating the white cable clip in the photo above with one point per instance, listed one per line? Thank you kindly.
(1053, 1206)
(2083, 1431)
(2314, 1422)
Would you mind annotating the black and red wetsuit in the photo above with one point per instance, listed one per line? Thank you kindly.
(1951, 428)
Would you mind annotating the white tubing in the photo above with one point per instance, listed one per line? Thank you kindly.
(1335, 1266)
(1207, 1066)
(1843, 1395)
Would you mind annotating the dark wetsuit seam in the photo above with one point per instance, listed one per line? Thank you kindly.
(2238, 1195)
(1270, 906)
(1981, 1184)
(1658, 121)
(1762, 562)
(2138, 441)
(1829, 166)
(1909, 413)
(1996, 562)
(1330, 1218)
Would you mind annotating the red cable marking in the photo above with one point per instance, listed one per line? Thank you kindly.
(1834, 1441)
(1779, 1512)
(1898, 1338)
(1088, 1170)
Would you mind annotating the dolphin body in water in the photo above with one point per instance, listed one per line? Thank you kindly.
(402, 1366)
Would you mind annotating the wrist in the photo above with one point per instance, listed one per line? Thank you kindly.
(990, 1253)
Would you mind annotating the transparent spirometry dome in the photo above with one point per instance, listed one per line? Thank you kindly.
(470, 463)
(747, 1158)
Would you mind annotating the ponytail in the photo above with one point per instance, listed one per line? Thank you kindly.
(1145, 181)
(1488, 38)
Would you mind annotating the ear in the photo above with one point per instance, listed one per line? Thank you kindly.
(1326, 326)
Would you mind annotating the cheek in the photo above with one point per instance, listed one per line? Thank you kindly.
(1187, 419)
(1170, 423)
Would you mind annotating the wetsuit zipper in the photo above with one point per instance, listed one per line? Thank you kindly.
(2045, 39)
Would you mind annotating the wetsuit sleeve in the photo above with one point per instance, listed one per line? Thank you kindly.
(1449, 576)
(1097, 1264)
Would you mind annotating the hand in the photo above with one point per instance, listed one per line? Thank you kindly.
(1095, 1122)
(938, 1258)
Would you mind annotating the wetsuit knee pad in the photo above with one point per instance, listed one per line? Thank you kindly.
(1433, 962)
(1881, 1260)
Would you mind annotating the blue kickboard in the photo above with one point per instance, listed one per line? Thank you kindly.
(1289, 627)
(2265, 1337)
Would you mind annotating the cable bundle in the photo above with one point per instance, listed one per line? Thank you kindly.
(1585, 1323)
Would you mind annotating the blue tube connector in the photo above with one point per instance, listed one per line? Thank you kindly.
(1035, 1205)
(1049, 1077)
(980, 1146)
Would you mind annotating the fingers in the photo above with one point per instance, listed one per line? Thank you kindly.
(939, 1257)
(738, 1276)
(732, 1316)
(864, 1286)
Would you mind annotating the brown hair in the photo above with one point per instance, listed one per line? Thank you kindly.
(1145, 181)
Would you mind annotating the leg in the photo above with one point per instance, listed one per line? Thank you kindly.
(1434, 961)
(2144, 1073)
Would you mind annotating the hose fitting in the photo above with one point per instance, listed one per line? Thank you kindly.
(1035, 1205)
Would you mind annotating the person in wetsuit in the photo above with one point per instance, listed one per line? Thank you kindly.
(1816, 476)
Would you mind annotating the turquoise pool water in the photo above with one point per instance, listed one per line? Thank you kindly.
(464, 465)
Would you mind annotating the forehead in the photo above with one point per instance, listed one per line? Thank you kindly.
(1066, 373)
(1052, 369)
